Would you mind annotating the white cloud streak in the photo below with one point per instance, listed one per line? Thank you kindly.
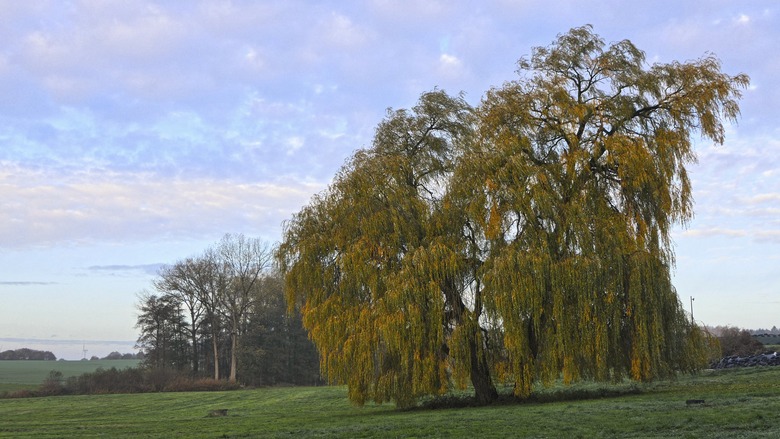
(39, 209)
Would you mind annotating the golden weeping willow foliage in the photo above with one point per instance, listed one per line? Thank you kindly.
(370, 264)
(576, 176)
(526, 240)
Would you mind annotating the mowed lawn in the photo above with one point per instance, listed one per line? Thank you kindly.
(28, 374)
(738, 404)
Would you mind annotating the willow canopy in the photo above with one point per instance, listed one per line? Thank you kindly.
(521, 241)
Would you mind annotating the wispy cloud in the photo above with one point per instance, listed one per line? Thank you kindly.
(710, 232)
(761, 199)
(151, 269)
(55, 340)
(772, 236)
(43, 209)
(25, 283)
(128, 128)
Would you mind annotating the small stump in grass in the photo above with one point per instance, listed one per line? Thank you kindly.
(217, 413)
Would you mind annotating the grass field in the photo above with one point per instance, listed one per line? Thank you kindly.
(738, 404)
(15, 375)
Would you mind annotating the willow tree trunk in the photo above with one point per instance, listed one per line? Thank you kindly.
(484, 390)
(479, 369)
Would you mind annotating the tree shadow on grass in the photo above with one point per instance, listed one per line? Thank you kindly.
(538, 397)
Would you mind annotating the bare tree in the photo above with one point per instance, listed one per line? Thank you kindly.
(244, 261)
(182, 280)
(218, 289)
(199, 284)
(210, 283)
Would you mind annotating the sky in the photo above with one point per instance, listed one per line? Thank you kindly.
(137, 133)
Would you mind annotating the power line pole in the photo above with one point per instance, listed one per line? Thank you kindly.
(692, 320)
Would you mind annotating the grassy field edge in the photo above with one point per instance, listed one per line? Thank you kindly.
(737, 403)
(29, 374)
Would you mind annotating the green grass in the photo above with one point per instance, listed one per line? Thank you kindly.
(29, 374)
(739, 404)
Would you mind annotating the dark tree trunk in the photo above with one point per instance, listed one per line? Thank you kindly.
(233, 356)
(195, 357)
(216, 355)
(484, 390)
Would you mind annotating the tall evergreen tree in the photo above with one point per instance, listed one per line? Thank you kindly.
(275, 347)
(163, 327)
(181, 281)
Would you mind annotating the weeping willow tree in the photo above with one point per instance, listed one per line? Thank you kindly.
(523, 241)
(574, 180)
(372, 265)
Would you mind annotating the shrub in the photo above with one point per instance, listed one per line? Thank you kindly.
(22, 393)
(52, 385)
(129, 380)
(184, 384)
(736, 341)
(113, 380)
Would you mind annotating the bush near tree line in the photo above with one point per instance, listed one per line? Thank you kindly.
(129, 380)
(736, 341)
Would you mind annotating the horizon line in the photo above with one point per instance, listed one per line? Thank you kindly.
(63, 341)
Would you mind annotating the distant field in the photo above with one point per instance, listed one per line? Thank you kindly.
(768, 339)
(737, 403)
(25, 374)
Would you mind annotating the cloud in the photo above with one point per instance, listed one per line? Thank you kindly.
(449, 61)
(151, 269)
(149, 115)
(25, 283)
(55, 340)
(763, 198)
(770, 236)
(411, 12)
(294, 143)
(710, 232)
(101, 47)
(341, 31)
(754, 234)
(40, 209)
(253, 143)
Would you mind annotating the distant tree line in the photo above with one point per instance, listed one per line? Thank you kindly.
(759, 331)
(119, 356)
(128, 356)
(222, 314)
(27, 354)
(721, 329)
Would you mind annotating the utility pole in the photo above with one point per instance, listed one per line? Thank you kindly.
(692, 320)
